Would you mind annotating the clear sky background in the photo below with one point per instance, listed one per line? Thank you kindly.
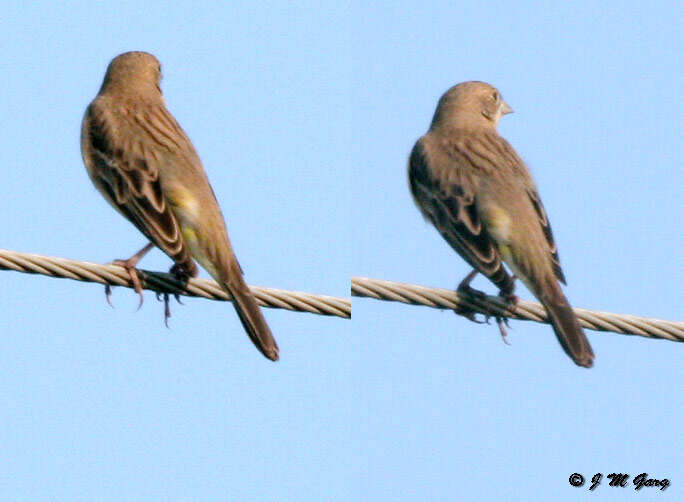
(304, 117)
(445, 410)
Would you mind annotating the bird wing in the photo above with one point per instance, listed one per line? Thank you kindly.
(126, 171)
(548, 233)
(446, 198)
(509, 155)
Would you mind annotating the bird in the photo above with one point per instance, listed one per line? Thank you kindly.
(470, 183)
(145, 166)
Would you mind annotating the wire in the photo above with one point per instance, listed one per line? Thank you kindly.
(164, 283)
(495, 306)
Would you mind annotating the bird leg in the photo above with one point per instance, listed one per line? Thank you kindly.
(182, 276)
(507, 295)
(464, 287)
(511, 301)
(465, 283)
(129, 265)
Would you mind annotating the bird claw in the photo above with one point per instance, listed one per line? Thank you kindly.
(167, 310)
(133, 276)
(469, 314)
(501, 321)
(182, 276)
(164, 297)
(465, 289)
(108, 295)
(511, 300)
(179, 273)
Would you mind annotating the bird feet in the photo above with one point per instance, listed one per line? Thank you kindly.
(465, 288)
(182, 276)
(511, 300)
(133, 274)
(507, 296)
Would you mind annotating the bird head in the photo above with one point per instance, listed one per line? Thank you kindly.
(471, 104)
(135, 70)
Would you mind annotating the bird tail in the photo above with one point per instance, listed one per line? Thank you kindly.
(248, 310)
(567, 329)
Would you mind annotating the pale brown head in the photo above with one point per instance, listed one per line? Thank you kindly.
(470, 104)
(133, 71)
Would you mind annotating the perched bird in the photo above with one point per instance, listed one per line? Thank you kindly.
(143, 163)
(470, 183)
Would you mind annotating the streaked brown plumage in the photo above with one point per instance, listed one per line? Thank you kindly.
(142, 162)
(470, 183)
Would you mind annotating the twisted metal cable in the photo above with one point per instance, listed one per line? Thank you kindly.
(495, 306)
(164, 283)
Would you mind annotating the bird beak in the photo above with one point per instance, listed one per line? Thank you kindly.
(505, 109)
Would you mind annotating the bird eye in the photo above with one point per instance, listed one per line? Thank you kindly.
(495, 96)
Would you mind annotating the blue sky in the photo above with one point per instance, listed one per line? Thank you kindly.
(446, 410)
(304, 116)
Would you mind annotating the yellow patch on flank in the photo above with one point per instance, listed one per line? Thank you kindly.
(184, 201)
(189, 236)
(192, 242)
(498, 224)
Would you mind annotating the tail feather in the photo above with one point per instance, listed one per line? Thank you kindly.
(568, 331)
(249, 313)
